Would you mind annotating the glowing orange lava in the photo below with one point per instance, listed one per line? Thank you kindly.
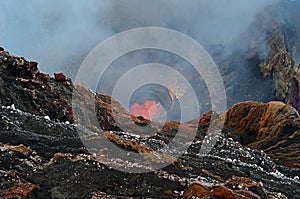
(149, 110)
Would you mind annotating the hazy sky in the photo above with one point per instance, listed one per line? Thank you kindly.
(55, 31)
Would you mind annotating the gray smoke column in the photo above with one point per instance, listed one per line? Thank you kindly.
(54, 32)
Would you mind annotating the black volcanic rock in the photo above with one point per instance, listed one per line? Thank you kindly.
(43, 155)
(23, 85)
(47, 151)
(73, 173)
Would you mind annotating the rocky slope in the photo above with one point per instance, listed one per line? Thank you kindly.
(52, 132)
(44, 152)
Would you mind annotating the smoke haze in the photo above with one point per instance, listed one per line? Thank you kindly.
(54, 32)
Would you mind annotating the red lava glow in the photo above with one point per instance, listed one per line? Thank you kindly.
(150, 109)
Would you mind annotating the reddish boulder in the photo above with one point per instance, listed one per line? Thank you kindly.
(60, 77)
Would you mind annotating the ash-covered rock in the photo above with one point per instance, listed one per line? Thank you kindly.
(78, 175)
(38, 132)
(47, 151)
(48, 160)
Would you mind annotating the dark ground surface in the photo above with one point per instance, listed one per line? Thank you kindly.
(47, 151)
(43, 157)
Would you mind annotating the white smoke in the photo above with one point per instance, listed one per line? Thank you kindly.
(53, 32)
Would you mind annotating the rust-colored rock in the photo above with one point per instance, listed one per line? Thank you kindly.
(60, 77)
(234, 188)
(257, 120)
(272, 127)
(21, 149)
(132, 144)
(33, 64)
(15, 186)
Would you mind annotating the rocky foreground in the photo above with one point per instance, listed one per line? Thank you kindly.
(55, 136)
(44, 150)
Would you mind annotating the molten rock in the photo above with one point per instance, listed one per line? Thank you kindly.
(149, 110)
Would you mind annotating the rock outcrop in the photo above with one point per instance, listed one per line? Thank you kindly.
(235, 187)
(272, 127)
(274, 46)
(22, 84)
(44, 152)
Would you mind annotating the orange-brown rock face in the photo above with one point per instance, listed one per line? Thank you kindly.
(234, 188)
(272, 127)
